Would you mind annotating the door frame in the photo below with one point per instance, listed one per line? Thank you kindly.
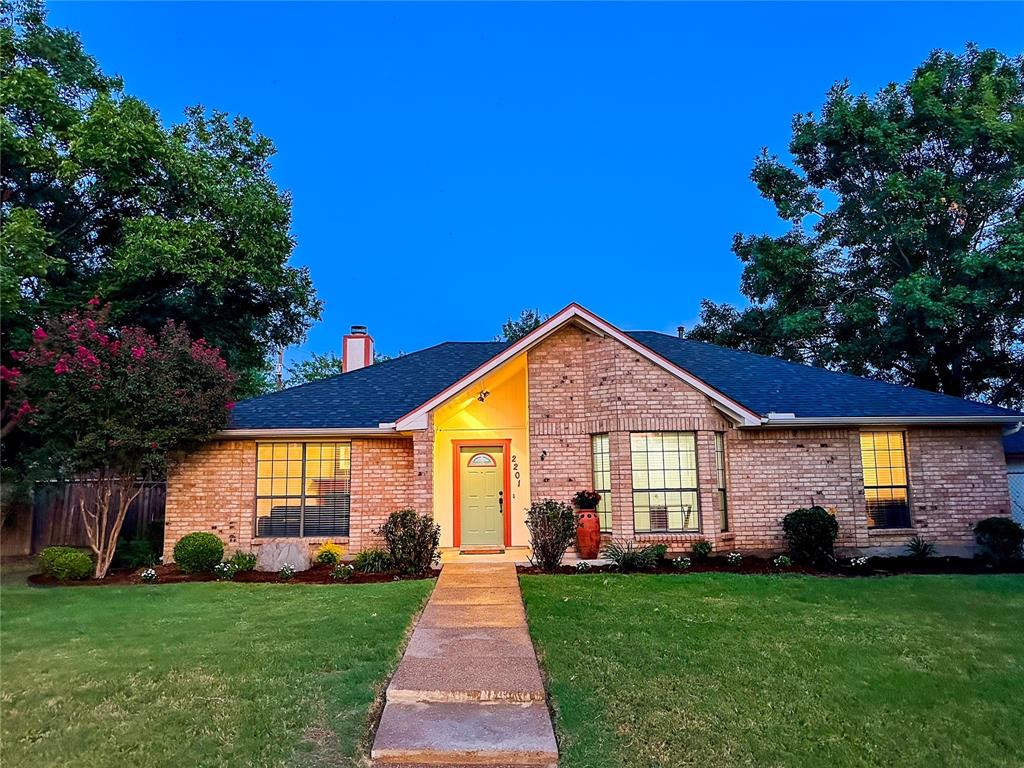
(506, 455)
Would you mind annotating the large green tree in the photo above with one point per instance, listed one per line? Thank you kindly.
(99, 198)
(905, 255)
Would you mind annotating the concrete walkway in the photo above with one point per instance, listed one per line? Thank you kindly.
(468, 691)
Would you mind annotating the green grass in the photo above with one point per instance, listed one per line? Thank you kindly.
(725, 670)
(195, 674)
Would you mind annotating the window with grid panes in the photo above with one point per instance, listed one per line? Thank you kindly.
(886, 488)
(664, 468)
(723, 498)
(602, 464)
(303, 489)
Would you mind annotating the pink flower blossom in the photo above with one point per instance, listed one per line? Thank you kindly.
(138, 352)
(86, 358)
(16, 355)
(153, 445)
(90, 324)
(94, 301)
(40, 335)
(61, 367)
(23, 410)
(229, 406)
(10, 375)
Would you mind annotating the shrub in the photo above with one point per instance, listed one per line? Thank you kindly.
(225, 571)
(287, 572)
(341, 572)
(734, 558)
(660, 551)
(328, 553)
(858, 562)
(66, 563)
(682, 562)
(243, 561)
(199, 551)
(811, 534)
(412, 540)
(373, 560)
(148, 576)
(582, 566)
(586, 499)
(136, 553)
(702, 549)
(1001, 537)
(782, 561)
(630, 558)
(920, 549)
(552, 527)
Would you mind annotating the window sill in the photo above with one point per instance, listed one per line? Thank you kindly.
(663, 534)
(891, 531)
(256, 540)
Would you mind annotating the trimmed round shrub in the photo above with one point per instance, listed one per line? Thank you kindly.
(197, 552)
(412, 540)
(66, 563)
(811, 534)
(1001, 537)
(552, 527)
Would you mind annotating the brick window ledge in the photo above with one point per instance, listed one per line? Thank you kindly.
(891, 531)
(259, 540)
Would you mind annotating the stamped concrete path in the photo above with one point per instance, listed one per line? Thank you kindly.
(468, 691)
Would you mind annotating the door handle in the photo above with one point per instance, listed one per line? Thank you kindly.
(501, 502)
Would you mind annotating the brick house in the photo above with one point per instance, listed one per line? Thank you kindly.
(684, 440)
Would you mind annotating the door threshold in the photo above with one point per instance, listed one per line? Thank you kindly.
(482, 551)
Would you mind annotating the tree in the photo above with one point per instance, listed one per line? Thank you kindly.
(905, 255)
(514, 329)
(97, 197)
(318, 366)
(111, 405)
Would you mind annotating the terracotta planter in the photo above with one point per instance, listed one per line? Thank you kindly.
(588, 534)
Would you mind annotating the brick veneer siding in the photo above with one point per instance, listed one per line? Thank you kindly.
(214, 488)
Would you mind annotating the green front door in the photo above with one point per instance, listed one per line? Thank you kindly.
(480, 495)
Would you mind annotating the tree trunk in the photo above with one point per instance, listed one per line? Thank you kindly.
(103, 515)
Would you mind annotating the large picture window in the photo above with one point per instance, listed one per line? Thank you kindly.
(303, 489)
(664, 481)
(886, 491)
(602, 464)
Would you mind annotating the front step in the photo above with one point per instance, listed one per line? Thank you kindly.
(465, 734)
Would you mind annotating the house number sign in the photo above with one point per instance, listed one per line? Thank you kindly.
(515, 470)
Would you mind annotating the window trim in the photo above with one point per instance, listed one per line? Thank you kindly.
(722, 482)
(257, 496)
(606, 493)
(906, 486)
(695, 490)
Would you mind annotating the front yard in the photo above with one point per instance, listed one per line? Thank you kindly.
(195, 674)
(716, 669)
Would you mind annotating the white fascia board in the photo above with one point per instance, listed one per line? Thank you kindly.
(416, 419)
(841, 421)
(246, 434)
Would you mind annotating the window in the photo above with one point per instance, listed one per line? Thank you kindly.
(303, 489)
(884, 457)
(723, 500)
(664, 481)
(602, 463)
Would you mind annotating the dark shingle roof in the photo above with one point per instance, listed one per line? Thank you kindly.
(767, 384)
(377, 394)
(383, 392)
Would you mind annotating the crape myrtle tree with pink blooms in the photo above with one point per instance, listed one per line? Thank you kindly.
(112, 405)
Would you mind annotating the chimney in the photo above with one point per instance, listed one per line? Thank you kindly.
(681, 331)
(356, 349)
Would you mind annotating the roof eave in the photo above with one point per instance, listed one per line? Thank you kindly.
(276, 432)
(838, 421)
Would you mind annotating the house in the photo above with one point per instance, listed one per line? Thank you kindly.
(684, 440)
(1013, 447)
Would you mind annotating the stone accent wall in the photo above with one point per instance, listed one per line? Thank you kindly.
(214, 489)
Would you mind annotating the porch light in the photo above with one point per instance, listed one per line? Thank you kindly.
(484, 394)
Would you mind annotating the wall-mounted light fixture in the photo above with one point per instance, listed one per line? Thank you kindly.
(484, 394)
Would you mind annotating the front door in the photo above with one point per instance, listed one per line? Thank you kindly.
(481, 495)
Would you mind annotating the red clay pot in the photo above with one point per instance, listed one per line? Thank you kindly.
(588, 534)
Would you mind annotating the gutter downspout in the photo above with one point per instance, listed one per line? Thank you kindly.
(1013, 430)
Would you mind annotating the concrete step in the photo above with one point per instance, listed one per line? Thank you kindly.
(455, 643)
(471, 734)
(470, 678)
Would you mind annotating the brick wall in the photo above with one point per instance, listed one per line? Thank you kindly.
(214, 488)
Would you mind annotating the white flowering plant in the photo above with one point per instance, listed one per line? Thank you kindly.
(342, 572)
(582, 566)
(734, 558)
(225, 571)
(858, 562)
(782, 561)
(287, 572)
(148, 575)
(682, 563)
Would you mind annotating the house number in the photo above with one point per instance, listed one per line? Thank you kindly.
(515, 470)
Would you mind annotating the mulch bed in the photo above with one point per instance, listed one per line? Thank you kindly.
(169, 574)
(876, 566)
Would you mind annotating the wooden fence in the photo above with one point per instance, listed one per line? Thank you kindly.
(54, 518)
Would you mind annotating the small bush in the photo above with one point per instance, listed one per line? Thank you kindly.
(660, 551)
(148, 576)
(412, 541)
(243, 561)
(66, 563)
(782, 561)
(858, 562)
(1001, 537)
(328, 553)
(630, 558)
(197, 552)
(811, 534)
(287, 572)
(582, 566)
(920, 549)
(135, 553)
(702, 549)
(552, 527)
(682, 562)
(373, 560)
(342, 572)
(734, 558)
(225, 571)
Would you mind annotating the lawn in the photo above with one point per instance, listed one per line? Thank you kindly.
(719, 669)
(196, 674)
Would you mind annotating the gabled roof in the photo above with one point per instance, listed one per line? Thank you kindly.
(752, 389)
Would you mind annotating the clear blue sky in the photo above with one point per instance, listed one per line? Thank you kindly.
(452, 164)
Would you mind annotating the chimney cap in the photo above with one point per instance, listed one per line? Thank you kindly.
(359, 330)
(681, 331)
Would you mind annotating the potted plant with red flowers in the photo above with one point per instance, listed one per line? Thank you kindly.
(588, 529)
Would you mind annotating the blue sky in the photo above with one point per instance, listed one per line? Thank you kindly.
(451, 164)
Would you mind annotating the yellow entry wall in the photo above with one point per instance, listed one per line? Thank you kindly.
(502, 415)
